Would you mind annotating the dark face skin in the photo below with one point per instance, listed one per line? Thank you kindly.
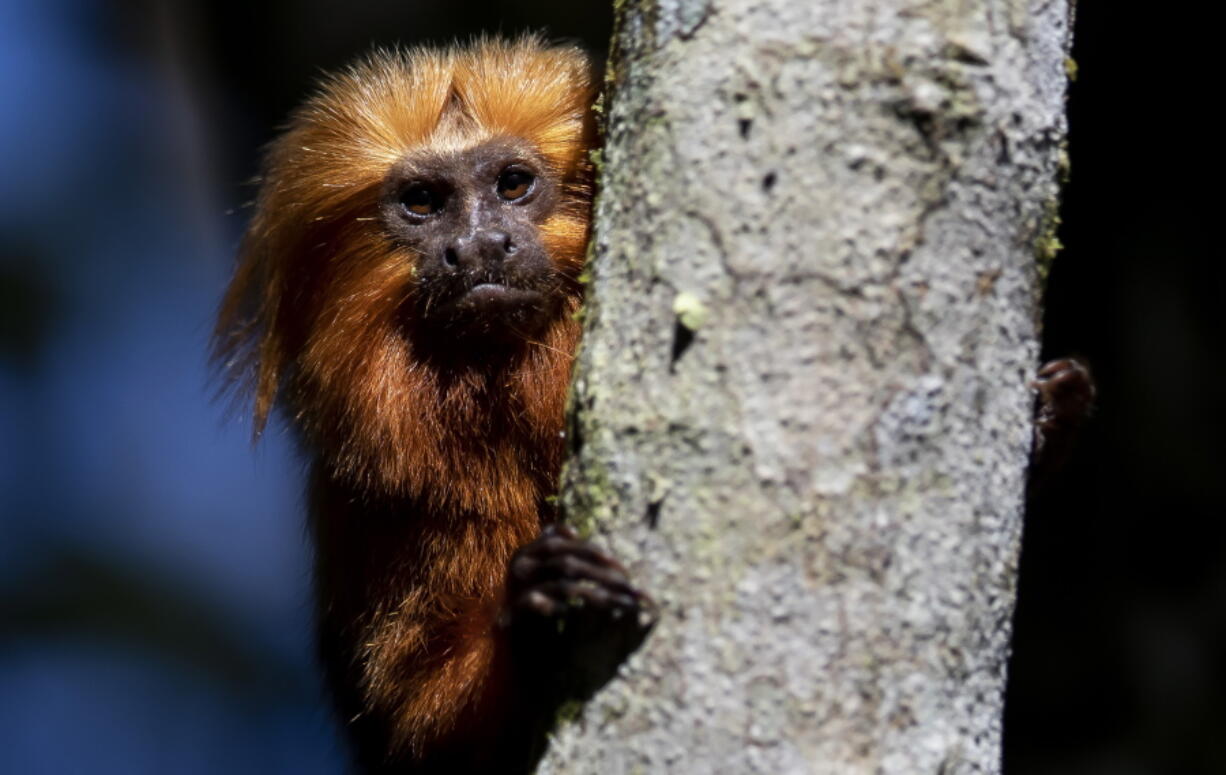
(472, 218)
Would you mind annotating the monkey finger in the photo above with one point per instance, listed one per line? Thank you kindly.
(580, 548)
(1064, 372)
(576, 569)
(1067, 397)
(559, 529)
(571, 594)
(1052, 367)
(522, 569)
(539, 603)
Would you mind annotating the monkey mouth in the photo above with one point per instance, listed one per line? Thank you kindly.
(496, 298)
(494, 307)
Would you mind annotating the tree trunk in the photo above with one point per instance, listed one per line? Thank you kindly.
(801, 412)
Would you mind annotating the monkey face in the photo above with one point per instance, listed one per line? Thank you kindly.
(417, 241)
(470, 220)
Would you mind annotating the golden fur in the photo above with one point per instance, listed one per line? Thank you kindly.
(318, 276)
(460, 456)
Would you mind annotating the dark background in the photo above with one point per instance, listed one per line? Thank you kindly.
(153, 571)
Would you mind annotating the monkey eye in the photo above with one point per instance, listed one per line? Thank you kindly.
(420, 199)
(515, 184)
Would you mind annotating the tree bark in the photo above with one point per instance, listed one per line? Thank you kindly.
(801, 410)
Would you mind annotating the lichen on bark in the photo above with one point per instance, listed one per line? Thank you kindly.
(800, 410)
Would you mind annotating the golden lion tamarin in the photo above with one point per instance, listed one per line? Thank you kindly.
(406, 294)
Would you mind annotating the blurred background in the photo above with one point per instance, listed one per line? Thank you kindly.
(153, 570)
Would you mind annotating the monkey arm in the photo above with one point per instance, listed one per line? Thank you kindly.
(571, 615)
(439, 668)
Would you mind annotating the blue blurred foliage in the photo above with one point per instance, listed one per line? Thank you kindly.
(154, 604)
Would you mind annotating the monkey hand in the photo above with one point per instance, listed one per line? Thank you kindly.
(572, 614)
(1065, 401)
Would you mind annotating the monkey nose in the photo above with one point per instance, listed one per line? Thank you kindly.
(484, 249)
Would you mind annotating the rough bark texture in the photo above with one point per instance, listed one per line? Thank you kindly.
(801, 411)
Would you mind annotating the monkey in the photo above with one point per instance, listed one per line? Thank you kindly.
(406, 294)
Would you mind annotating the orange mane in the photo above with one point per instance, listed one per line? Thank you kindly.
(314, 320)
